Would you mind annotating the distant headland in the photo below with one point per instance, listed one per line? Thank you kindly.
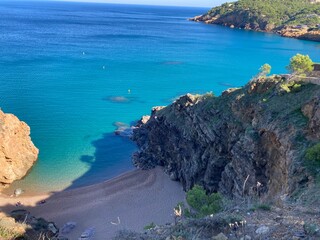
(291, 18)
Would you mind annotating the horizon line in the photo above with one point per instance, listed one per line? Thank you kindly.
(115, 3)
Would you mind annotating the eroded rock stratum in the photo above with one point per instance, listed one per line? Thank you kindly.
(248, 138)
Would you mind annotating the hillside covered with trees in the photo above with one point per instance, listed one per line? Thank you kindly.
(291, 18)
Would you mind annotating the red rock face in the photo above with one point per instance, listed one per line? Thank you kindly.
(305, 33)
(244, 20)
(17, 152)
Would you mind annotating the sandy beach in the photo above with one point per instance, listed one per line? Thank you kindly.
(130, 201)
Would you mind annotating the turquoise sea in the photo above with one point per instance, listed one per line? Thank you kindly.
(63, 66)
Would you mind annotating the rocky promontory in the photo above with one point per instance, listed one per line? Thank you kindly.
(17, 152)
(248, 141)
(294, 18)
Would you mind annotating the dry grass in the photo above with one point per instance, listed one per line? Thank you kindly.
(9, 229)
(9, 234)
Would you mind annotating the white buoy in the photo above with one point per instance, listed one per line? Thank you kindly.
(83, 53)
(103, 67)
(129, 91)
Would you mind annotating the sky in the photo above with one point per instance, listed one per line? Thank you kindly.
(193, 3)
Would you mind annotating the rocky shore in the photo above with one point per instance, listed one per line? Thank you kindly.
(247, 142)
(303, 34)
(295, 19)
(17, 152)
(310, 34)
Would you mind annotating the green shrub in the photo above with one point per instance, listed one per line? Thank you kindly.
(150, 226)
(296, 87)
(313, 154)
(262, 206)
(201, 202)
(311, 228)
(285, 87)
(274, 12)
(291, 86)
(300, 64)
(264, 70)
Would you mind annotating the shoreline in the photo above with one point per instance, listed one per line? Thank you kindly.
(137, 198)
(28, 194)
(284, 31)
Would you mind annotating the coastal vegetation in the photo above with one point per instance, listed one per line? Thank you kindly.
(261, 206)
(312, 160)
(264, 70)
(10, 229)
(300, 64)
(9, 233)
(150, 226)
(289, 18)
(203, 203)
(291, 86)
(313, 154)
(275, 12)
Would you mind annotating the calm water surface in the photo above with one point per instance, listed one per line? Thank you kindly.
(65, 65)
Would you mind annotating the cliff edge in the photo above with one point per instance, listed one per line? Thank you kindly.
(248, 141)
(17, 152)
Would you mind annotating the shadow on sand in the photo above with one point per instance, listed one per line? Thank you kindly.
(111, 157)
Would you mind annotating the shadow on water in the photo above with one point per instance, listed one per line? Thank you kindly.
(110, 158)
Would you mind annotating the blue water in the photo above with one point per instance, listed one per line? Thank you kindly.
(62, 64)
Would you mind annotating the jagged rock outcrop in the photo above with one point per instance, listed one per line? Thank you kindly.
(17, 152)
(240, 20)
(248, 136)
(303, 33)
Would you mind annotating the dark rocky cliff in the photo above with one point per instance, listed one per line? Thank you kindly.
(256, 134)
